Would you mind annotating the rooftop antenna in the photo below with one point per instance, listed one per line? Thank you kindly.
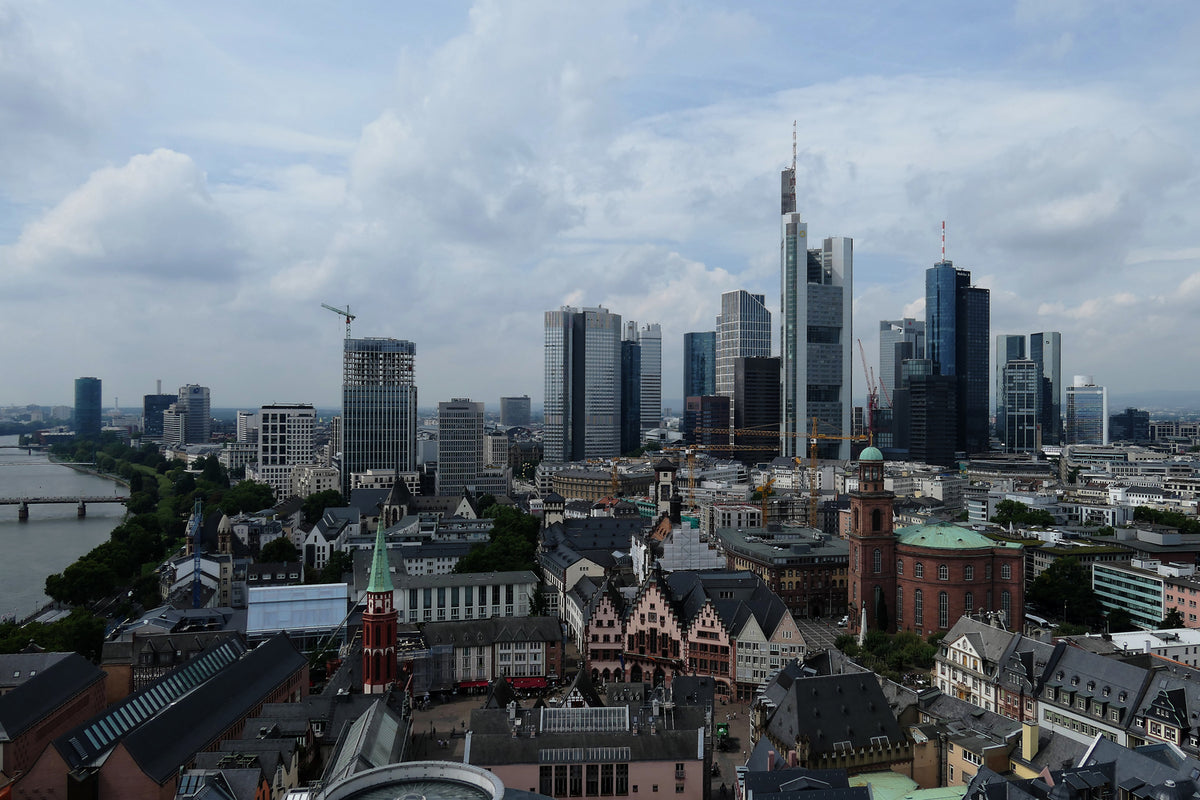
(345, 312)
(943, 240)
(793, 146)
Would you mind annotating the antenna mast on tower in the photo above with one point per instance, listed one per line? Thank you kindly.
(943, 240)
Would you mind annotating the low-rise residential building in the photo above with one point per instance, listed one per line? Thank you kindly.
(969, 662)
(527, 651)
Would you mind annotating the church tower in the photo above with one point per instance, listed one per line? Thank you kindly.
(664, 485)
(379, 623)
(872, 549)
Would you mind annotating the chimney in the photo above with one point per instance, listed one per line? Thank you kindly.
(770, 760)
(1029, 740)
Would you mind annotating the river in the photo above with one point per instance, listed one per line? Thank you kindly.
(54, 536)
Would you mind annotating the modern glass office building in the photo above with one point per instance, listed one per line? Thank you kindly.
(700, 364)
(957, 331)
(195, 402)
(1008, 348)
(153, 406)
(583, 384)
(899, 339)
(1087, 412)
(631, 393)
(1021, 393)
(88, 404)
(379, 407)
(743, 331)
(1045, 350)
(650, 384)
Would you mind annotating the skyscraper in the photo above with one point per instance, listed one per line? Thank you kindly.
(460, 445)
(699, 364)
(755, 407)
(1020, 390)
(816, 295)
(1008, 348)
(899, 339)
(743, 331)
(631, 389)
(957, 330)
(1087, 412)
(1045, 350)
(379, 407)
(194, 400)
(88, 406)
(650, 339)
(514, 411)
(153, 406)
(583, 384)
(285, 439)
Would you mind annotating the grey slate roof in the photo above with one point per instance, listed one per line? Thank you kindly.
(474, 633)
(990, 642)
(51, 688)
(829, 709)
(376, 738)
(16, 668)
(736, 596)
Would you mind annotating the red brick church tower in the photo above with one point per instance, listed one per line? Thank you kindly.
(379, 623)
(872, 548)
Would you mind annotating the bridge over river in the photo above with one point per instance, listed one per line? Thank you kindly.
(24, 503)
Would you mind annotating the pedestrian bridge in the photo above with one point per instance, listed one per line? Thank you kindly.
(24, 503)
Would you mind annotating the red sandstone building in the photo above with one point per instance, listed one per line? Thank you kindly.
(924, 577)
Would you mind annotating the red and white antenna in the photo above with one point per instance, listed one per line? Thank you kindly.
(943, 240)
(793, 147)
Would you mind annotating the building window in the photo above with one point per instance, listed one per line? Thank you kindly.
(943, 572)
(877, 561)
(899, 606)
(876, 519)
(969, 572)
(1006, 605)
(899, 566)
(623, 780)
(969, 603)
(918, 609)
(943, 610)
(1005, 572)
(919, 570)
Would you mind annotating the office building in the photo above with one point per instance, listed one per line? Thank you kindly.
(755, 409)
(247, 426)
(514, 411)
(817, 287)
(699, 364)
(631, 390)
(1045, 350)
(583, 384)
(459, 446)
(899, 339)
(285, 440)
(743, 331)
(88, 405)
(174, 422)
(153, 406)
(1131, 425)
(957, 331)
(932, 413)
(1087, 412)
(704, 415)
(1008, 348)
(1021, 392)
(650, 341)
(379, 407)
(194, 401)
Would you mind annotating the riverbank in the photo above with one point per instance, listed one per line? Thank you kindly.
(86, 470)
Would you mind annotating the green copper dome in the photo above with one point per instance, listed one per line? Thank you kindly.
(870, 454)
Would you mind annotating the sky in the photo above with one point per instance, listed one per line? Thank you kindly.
(183, 185)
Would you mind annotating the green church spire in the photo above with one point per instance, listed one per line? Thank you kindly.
(381, 578)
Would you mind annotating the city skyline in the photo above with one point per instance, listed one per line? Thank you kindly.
(550, 157)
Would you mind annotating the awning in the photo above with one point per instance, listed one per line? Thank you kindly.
(472, 684)
(529, 683)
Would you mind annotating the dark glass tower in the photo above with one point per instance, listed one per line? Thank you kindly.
(756, 407)
(87, 407)
(379, 407)
(153, 406)
(700, 364)
(631, 395)
(1045, 350)
(957, 330)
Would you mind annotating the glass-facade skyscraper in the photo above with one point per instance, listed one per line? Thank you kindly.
(379, 407)
(1045, 350)
(907, 332)
(743, 331)
(583, 384)
(1021, 391)
(195, 402)
(650, 384)
(153, 406)
(631, 390)
(1008, 348)
(957, 336)
(1087, 412)
(699, 364)
(88, 407)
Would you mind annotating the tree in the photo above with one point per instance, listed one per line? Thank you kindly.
(280, 549)
(316, 503)
(1173, 619)
(1066, 585)
(1120, 621)
(340, 562)
(1017, 513)
(247, 496)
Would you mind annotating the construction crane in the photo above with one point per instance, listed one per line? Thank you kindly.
(813, 493)
(764, 496)
(345, 312)
(872, 393)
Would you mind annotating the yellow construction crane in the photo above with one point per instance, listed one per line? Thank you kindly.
(345, 312)
(764, 496)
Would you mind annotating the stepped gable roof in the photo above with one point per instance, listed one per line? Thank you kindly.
(736, 596)
(831, 709)
(51, 687)
(948, 536)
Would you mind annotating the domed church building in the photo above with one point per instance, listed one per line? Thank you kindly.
(924, 577)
